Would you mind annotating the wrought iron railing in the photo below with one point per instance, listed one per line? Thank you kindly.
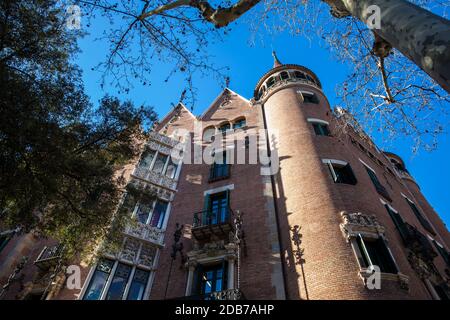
(221, 215)
(229, 294)
(49, 255)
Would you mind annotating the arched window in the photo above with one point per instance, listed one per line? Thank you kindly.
(284, 75)
(208, 134)
(270, 82)
(239, 123)
(224, 127)
(310, 78)
(299, 75)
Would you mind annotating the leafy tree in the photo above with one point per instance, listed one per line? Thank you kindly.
(59, 154)
(400, 71)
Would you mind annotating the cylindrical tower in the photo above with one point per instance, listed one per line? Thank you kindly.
(290, 96)
(321, 260)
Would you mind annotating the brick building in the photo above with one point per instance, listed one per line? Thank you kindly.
(295, 202)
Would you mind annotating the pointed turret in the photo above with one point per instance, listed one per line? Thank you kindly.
(276, 62)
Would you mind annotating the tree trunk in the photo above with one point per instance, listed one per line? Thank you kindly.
(419, 34)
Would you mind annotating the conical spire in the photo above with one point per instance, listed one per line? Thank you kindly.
(276, 62)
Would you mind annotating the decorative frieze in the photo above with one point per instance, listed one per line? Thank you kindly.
(146, 233)
(137, 252)
(358, 223)
(147, 255)
(130, 250)
(155, 178)
(402, 279)
(162, 139)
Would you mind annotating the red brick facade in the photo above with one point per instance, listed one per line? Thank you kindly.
(301, 228)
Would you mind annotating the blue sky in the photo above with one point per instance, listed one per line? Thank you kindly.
(247, 64)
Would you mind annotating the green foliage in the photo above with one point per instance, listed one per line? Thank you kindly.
(59, 154)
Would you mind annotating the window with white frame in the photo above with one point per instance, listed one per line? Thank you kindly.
(340, 171)
(423, 221)
(309, 97)
(152, 215)
(320, 127)
(374, 252)
(158, 162)
(114, 280)
(376, 182)
(442, 251)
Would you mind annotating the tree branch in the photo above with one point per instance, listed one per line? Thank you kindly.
(220, 17)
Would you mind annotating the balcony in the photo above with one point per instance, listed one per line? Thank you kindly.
(49, 256)
(146, 233)
(162, 139)
(229, 294)
(212, 223)
(155, 178)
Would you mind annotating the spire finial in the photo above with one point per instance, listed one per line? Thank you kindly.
(276, 62)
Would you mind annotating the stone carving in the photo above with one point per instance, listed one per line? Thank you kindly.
(147, 255)
(355, 223)
(155, 178)
(146, 232)
(230, 294)
(163, 139)
(130, 249)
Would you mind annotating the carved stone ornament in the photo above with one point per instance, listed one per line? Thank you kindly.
(402, 279)
(358, 223)
(422, 269)
(213, 249)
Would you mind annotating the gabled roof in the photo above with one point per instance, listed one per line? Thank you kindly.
(171, 113)
(217, 99)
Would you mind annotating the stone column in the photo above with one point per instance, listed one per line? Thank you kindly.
(231, 258)
(191, 268)
(230, 283)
